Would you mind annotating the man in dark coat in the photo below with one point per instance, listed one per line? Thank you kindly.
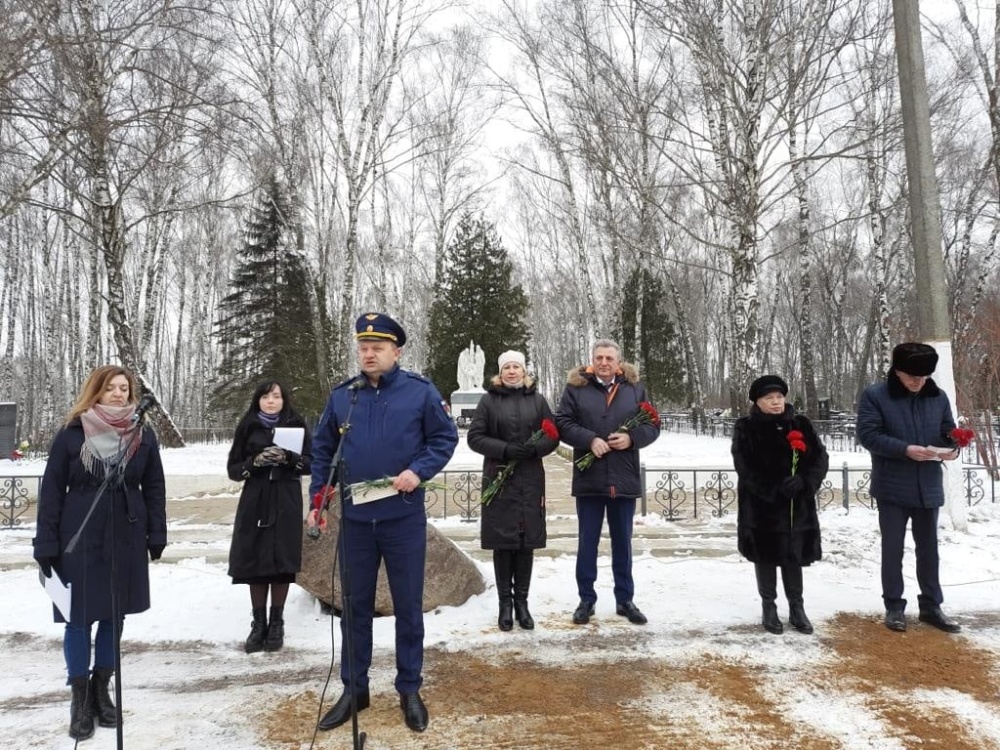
(597, 400)
(393, 423)
(906, 423)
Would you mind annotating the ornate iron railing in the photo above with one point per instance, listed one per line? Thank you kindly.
(15, 498)
(462, 495)
(684, 493)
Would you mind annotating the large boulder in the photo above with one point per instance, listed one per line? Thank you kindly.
(450, 576)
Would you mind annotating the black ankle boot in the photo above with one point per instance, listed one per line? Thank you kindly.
(102, 706)
(81, 722)
(258, 629)
(275, 637)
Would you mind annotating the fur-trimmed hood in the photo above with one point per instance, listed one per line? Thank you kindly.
(898, 390)
(584, 374)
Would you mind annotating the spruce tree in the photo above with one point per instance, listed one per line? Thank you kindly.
(644, 317)
(265, 322)
(475, 299)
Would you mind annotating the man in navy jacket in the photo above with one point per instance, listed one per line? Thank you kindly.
(597, 400)
(394, 424)
(901, 421)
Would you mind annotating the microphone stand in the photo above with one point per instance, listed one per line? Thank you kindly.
(338, 468)
(114, 478)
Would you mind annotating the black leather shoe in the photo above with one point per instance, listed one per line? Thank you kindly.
(341, 711)
(895, 620)
(583, 613)
(414, 711)
(629, 610)
(938, 619)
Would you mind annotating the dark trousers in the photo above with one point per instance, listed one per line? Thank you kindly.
(402, 544)
(923, 525)
(590, 512)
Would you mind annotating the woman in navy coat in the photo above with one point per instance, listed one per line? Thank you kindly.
(129, 522)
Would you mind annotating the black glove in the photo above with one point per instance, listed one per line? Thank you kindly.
(47, 564)
(292, 458)
(791, 486)
(518, 452)
(155, 551)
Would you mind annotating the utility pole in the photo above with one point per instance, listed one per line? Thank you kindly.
(933, 320)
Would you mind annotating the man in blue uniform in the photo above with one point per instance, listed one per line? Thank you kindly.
(398, 428)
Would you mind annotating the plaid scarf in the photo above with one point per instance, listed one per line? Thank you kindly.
(108, 433)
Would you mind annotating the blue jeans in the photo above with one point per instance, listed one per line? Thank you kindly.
(590, 512)
(76, 648)
(892, 521)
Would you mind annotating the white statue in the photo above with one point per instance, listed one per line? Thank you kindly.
(471, 363)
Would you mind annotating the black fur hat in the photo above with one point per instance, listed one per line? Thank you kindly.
(765, 384)
(914, 358)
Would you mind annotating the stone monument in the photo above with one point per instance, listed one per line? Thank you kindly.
(471, 364)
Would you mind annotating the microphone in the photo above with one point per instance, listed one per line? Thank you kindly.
(145, 404)
(358, 385)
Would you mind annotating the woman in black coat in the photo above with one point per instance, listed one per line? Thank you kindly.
(110, 555)
(266, 550)
(513, 523)
(781, 464)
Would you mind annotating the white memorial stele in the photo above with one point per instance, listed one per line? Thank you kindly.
(471, 365)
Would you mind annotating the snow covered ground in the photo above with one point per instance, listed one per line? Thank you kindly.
(188, 684)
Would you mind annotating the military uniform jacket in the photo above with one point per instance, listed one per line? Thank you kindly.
(512, 415)
(399, 424)
(267, 530)
(140, 520)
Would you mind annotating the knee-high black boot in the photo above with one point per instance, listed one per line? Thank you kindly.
(767, 587)
(503, 570)
(791, 577)
(81, 720)
(524, 559)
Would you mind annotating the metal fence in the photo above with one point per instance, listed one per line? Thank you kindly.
(673, 493)
(15, 499)
(677, 494)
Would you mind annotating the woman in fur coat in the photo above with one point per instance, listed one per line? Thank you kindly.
(781, 464)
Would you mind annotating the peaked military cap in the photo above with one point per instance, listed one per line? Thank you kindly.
(374, 326)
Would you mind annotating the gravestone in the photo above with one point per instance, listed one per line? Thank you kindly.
(8, 423)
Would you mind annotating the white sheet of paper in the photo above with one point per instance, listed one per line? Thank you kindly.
(361, 494)
(939, 450)
(60, 593)
(289, 438)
